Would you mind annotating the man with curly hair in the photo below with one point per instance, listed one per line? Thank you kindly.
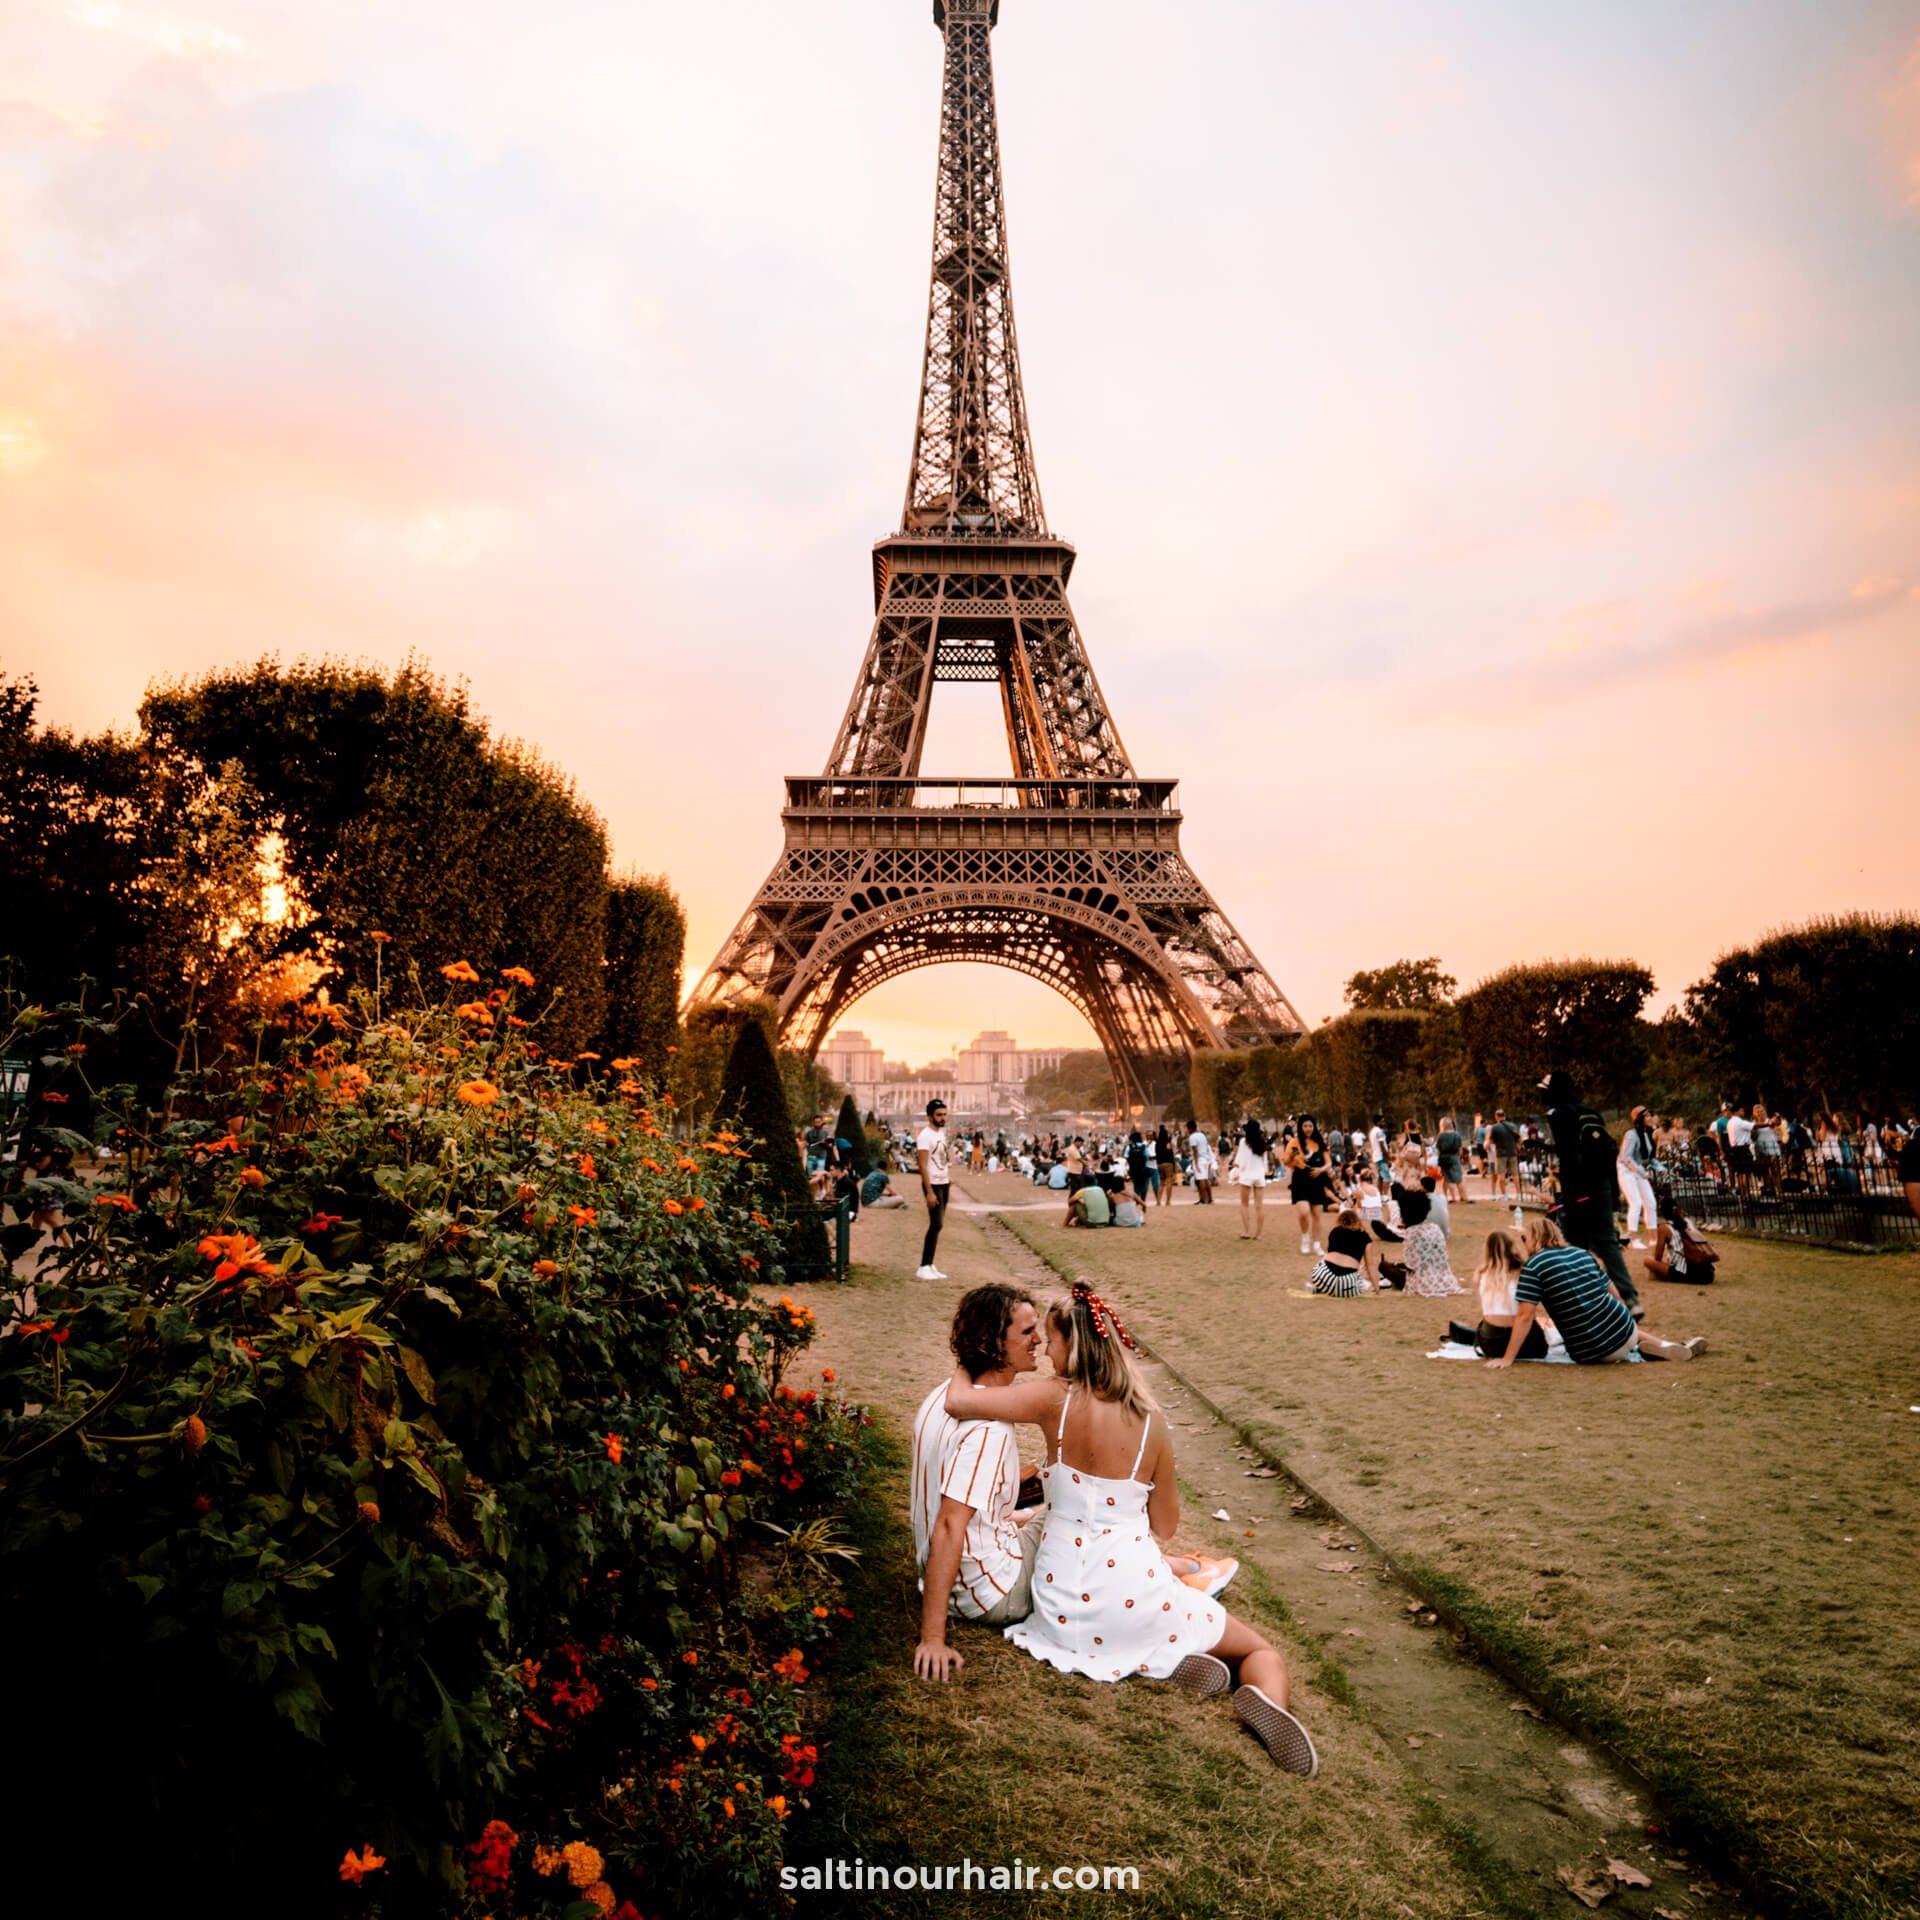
(975, 1555)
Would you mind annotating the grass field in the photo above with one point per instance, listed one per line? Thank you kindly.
(1712, 1562)
(1013, 1759)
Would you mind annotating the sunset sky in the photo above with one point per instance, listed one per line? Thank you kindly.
(1491, 431)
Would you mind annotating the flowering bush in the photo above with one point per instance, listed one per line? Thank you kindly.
(401, 1488)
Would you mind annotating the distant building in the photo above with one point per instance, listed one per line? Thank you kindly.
(853, 1060)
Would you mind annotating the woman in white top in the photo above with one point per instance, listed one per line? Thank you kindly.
(1250, 1171)
(1498, 1281)
(1107, 1603)
(1635, 1168)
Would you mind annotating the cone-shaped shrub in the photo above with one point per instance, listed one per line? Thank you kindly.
(850, 1130)
(753, 1099)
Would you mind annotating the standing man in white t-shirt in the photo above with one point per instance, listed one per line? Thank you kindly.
(933, 1155)
(976, 1558)
(1200, 1163)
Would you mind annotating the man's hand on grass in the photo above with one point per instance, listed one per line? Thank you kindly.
(935, 1660)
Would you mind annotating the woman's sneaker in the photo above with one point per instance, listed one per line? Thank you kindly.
(1280, 1733)
(1212, 1577)
(1201, 1673)
(1306, 1243)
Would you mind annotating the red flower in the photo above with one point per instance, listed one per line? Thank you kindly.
(322, 1223)
(615, 1447)
(355, 1868)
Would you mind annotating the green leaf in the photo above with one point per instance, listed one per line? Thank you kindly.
(150, 1588)
(418, 1374)
(441, 1297)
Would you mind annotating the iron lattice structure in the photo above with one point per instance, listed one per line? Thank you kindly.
(1071, 870)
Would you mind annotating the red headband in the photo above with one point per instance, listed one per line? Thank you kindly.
(1106, 1323)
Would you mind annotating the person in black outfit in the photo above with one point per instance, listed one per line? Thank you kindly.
(1137, 1167)
(1587, 1154)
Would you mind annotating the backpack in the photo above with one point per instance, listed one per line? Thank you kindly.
(1698, 1252)
(1589, 1156)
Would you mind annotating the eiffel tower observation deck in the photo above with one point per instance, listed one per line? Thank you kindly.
(1067, 868)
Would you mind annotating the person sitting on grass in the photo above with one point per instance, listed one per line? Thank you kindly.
(1347, 1270)
(974, 1550)
(1109, 1605)
(876, 1190)
(1089, 1206)
(1680, 1254)
(1497, 1280)
(1373, 1209)
(1575, 1293)
(1429, 1264)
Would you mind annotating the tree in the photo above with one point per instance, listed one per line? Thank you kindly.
(1579, 1015)
(849, 1129)
(401, 815)
(1828, 1012)
(754, 1101)
(646, 943)
(1082, 1083)
(81, 840)
(1370, 1060)
(1407, 986)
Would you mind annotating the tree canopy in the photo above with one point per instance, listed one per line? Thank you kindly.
(1405, 986)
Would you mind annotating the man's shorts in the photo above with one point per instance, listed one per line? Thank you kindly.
(1018, 1601)
(1509, 1164)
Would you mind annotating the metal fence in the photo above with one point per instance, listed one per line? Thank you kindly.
(1841, 1193)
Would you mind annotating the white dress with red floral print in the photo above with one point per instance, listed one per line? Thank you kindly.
(1105, 1602)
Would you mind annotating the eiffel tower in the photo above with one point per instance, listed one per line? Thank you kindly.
(1069, 870)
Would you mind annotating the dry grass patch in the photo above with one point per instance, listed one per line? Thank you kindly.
(1718, 1554)
(1015, 1759)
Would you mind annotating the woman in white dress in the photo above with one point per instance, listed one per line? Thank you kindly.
(1250, 1174)
(1107, 1602)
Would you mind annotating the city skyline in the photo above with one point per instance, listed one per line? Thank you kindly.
(1510, 560)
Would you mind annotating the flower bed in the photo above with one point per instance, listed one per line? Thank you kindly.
(402, 1503)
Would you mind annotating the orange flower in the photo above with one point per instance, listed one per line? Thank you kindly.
(477, 1093)
(355, 1867)
(546, 1269)
(728, 1805)
(546, 1860)
(518, 975)
(690, 1659)
(819, 1613)
(827, 1374)
(695, 1204)
(123, 1201)
(586, 1056)
(671, 1206)
(652, 1166)
(461, 971)
(759, 1219)
(584, 1864)
(779, 1805)
(252, 1177)
(382, 938)
(699, 1742)
(687, 1166)
(625, 1064)
(649, 1686)
(369, 1512)
(615, 1448)
(599, 1896)
(583, 1216)
(791, 1666)
(476, 1010)
(193, 1435)
(727, 1392)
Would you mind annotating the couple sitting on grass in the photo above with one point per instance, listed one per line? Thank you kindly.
(1082, 1581)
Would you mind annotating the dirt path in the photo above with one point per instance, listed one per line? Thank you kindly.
(1529, 1797)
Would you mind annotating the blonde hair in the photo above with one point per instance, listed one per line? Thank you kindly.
(1506, 1253)
(1100, 1363)
(1543, 1233)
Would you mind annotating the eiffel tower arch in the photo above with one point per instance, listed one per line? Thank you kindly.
(1069, 868)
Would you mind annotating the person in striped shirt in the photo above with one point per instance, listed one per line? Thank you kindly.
(1568, 1286)
(975, 1555)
